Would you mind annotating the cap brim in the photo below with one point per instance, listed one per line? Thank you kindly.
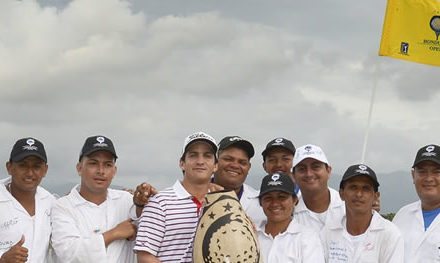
(214, 146)
(98, 150)
(264, 153)
(292, 192)
(375, 182)
(322, 160)
(432, 159)
(21, 156)
(244, 145)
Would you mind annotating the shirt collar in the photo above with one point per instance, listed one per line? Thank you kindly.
(180, 190)
(6, 196)
(335, 201)
(292, 228)
(77, 199)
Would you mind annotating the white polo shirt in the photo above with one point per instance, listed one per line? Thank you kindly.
(78, 226)
(420, 245)
(316, 221)
(297, 244)
(15, 221)
(381, 242)
(251, 205)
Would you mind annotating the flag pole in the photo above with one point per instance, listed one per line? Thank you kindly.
(370, 111)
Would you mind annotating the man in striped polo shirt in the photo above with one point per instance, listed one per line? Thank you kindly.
(168, 222)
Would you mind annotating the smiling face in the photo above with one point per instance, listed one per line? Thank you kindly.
(312, 176)
(426, 178)
(278, 206)
(233, 168)
(278, 160)
(359, 195)
(97, 171)
(198, 163)
(27, 174)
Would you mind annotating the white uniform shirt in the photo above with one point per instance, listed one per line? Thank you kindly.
(297, 244)
(304, 216)
(381, 243)
(420, 245)
(251, 205)
(15, 221)
(77, 233)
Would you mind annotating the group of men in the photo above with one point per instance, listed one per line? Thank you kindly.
(296, 214)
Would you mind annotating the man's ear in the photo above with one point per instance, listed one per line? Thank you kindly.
(329, 169)
(181, 165)
(9, 167)
(341, 194)
(46, 167)
(413, 175)
(79, 167)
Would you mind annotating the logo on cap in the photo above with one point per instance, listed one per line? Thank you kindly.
(308, 148)
(199, 135)
(30, 141)
(236, 138)
(429, 152)
(100, 141)
(363, 169)
(275, 177)
(278, 140)
(30, 146)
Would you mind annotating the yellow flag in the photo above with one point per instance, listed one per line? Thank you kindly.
(411, 31)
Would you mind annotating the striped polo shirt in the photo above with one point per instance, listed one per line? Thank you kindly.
(168, 224)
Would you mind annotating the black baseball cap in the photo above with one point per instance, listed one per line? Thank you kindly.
(359, 170)
(27, 147)
(238, 142)
(97, 143)
(429, 152)
(279, 142)
(277, 182)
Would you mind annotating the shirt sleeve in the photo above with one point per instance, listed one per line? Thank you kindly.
(392, 250)
(151, 228)
(69, 244)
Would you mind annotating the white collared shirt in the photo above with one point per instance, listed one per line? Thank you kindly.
(308, 218)
(15, 221)
(251, 205)
(297, 244)
(420, 245)
(77, 233)
(381, 242)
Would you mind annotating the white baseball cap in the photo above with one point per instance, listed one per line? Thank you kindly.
(309, 151)
(199, 136)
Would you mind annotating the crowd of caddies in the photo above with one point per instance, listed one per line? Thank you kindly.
(296, 215)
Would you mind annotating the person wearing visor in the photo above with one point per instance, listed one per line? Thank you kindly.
(282, 239)
(25, 205)
(362, 235)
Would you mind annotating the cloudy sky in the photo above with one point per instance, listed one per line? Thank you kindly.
(148, 73)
